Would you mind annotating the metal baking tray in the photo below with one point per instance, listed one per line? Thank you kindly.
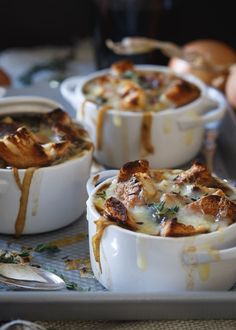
(90, 300)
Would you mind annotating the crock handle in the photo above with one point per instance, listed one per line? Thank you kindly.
(99, 177)
(215, 101)
(68, 89)
(206, 256)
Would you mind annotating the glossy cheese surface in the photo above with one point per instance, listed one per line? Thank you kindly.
(168, 202)
(128, 89)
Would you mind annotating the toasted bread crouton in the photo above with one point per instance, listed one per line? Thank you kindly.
(132, 96)
(22, 150)
(104, 80)
(115, 211)
(181, 92)
(135, 186)
(148, 186)
(219, 192)
(139, 190)
(57, 116)
(118, 68)
(62, 125)
(130, 192)
(197, 174)
(172, 200)
(216, 206)
(172, 228)
(127, 170)
(203, 191)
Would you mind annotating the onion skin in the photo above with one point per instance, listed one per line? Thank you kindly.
(216, 52)
(4, 79)
(230, 88)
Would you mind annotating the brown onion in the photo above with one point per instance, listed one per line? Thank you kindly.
(216, 52)
(230, 88)
(4, 79)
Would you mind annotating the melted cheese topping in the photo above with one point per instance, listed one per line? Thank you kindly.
(37, 139)
(172, 201)
(135, 90)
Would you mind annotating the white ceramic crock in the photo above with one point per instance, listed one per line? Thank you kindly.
(57, 193)
(136, 262)
(177, 134)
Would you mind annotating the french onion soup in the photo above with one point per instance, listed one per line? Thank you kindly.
(127, 89)
(167, 203)
(40, 139)
(34, 140)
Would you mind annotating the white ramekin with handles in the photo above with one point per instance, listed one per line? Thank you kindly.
(136, 262)
(57, 193)
(177, 134)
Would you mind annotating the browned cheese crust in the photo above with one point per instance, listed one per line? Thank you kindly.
(181, 92)
(216, 206)
(21, 148)
(137, 166)
(115, 211)
(198, 204)
(118, 68)
(172, 228)
(199, 175)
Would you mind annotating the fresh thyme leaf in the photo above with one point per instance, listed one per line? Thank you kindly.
(24, 254)
(161, 213)
(174, 209)
(14, 257)
(71, 285)
(101, 194)
(46, 248)
(159, 206)
(128, 74)
(100, 100)
(7, 258)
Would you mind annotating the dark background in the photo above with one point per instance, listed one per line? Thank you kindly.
(53, 22)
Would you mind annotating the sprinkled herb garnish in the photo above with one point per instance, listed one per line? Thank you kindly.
(46, 248)
(14, 257)
(24, 254)
(100, 100)
(70, 285)
(161, 213)
(101, 194)
(129, 74)
(7, 258)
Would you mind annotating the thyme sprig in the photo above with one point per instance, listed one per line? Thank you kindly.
(46, 248)
(161, 213)
(102, 194)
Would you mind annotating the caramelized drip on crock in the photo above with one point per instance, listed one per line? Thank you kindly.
(25, 188)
